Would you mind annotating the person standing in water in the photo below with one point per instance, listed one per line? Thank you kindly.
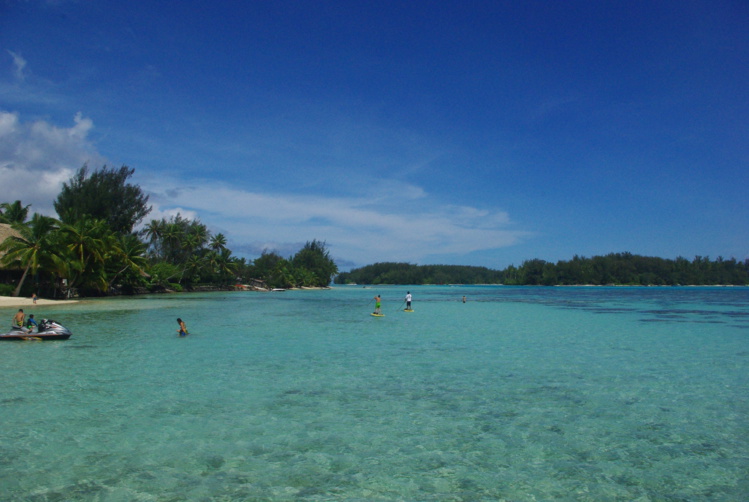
(182, 328)
(378, 304)
(408, 300)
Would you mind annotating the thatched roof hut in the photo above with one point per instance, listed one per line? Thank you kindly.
(5, 232)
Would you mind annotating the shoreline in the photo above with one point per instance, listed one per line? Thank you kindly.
(25, 302)
(17, 301)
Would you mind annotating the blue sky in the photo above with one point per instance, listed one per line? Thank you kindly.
(475, 133)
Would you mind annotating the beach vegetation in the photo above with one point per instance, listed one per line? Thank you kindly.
(31, 250)
(182, 251)
(91, 250)
(313, 265)
(270, 267)
(87, 248)
(162, 274)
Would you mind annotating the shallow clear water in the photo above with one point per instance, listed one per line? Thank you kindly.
(518, 394)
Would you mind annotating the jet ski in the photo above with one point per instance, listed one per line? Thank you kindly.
(46, 330)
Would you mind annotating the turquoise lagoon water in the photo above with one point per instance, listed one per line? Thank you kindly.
(519, 394)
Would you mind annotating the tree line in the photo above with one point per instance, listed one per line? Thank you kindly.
(93, 249)
(630, 269)
(613, 269)
(406, 273)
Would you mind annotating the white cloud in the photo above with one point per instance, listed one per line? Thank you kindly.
(391, 223)
(37, 157)
(19, 64)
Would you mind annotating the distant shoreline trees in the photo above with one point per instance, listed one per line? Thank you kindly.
(406, 273)
(311, 266)
(612, 269)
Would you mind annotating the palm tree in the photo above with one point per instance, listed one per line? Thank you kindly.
(199, 233)
(34, 249)
(281, 276)
(225, 265)
(171, 241)
(127, 256)
(218, 242)
(154, 231)
(14, 213)
(193, 267)
(89, 242)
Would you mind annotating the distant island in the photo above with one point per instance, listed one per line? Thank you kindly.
(612, 269)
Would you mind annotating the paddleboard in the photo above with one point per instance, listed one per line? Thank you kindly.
(377, 315)
(408, 310)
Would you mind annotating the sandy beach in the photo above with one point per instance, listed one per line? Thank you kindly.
(10, 301)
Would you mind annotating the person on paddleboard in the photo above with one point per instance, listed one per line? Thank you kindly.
(408, 300)
(377, 304)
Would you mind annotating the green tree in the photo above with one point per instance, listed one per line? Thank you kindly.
(195, 268)
(268, 268)
(127, 262)
(104, 195)
(282, 276)
(33, 249)
(221, 265)
(188, 246)
(88, 244)
(14, 213)
(163, 274)
(218, 242)
(315, 258)
(176, 239)
(153, 232)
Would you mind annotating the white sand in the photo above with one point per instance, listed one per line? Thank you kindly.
(10, 301)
